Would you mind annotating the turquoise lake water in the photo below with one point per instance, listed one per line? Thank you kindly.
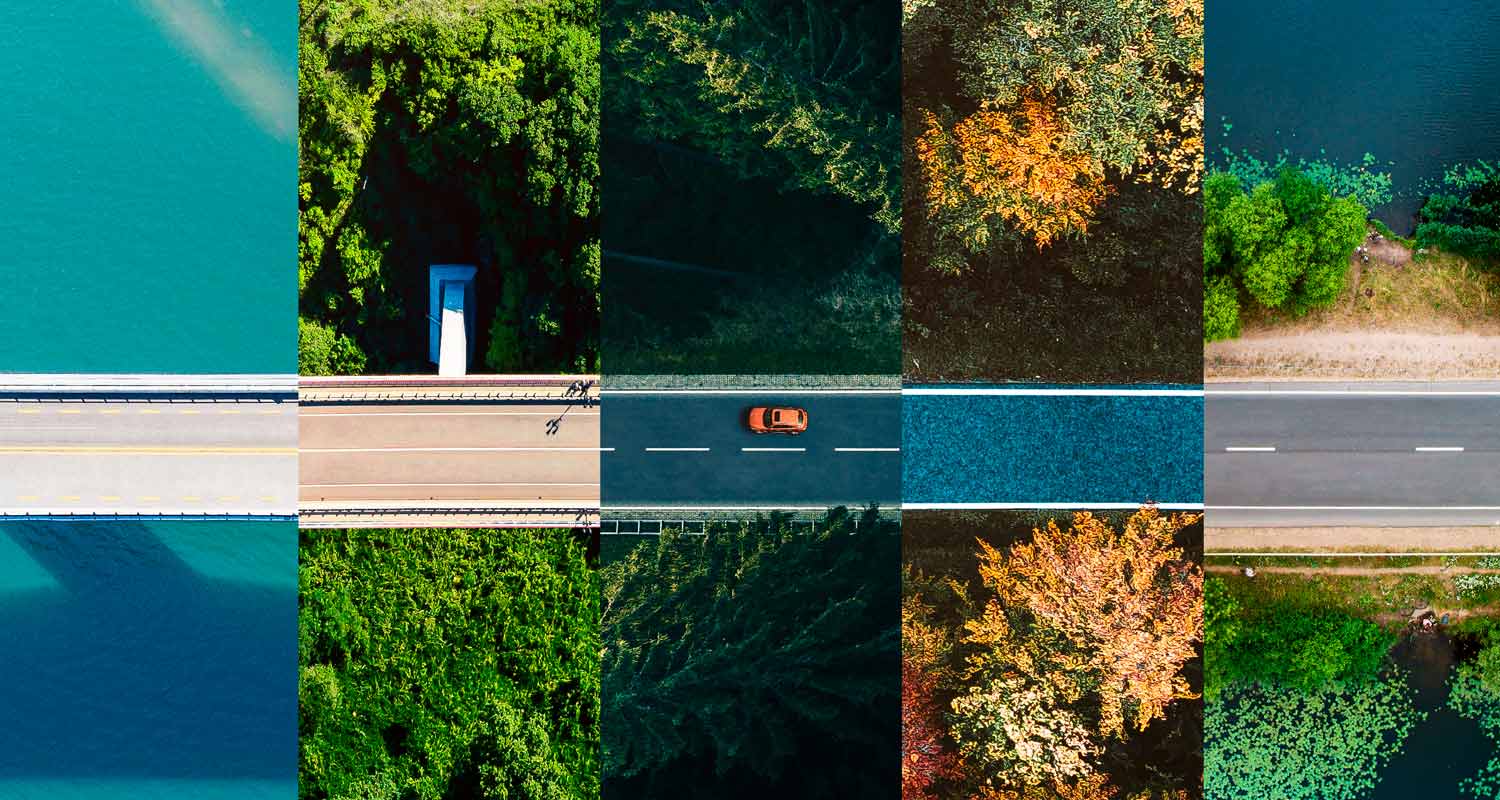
(149, 216)
(148, 660)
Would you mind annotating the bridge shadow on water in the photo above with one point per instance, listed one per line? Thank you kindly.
(137, 666)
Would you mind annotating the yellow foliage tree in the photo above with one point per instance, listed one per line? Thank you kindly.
(1008, 168)
(1128, 603)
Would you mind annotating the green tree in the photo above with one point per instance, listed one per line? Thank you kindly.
(1465, 219)
(448, 664)
(451, 132)
(1285, 242)
(796, 92)
(321, 351)
(759, 659)
(1221, 309)
(1301, 648)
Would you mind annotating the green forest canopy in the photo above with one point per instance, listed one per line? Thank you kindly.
(449, 131)
(758, 660)
(753, 183)
(448, 665)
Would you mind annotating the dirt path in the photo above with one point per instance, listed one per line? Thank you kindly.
(1353, 354)
(1319, 540)
(1430, 569)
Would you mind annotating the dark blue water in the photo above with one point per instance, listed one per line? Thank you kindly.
(1417, 84)
(1052, 450)
(148, 216)
(148, 660)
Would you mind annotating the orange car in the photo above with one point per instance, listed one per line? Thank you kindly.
(777, 419)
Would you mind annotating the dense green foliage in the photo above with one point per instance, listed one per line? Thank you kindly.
(1465, 217)
(760, 660)
(1283, 243)
(1326, 743)
(753, 186)
(1053, 152)
(1297, 648)
(448, 664)
(441, 132)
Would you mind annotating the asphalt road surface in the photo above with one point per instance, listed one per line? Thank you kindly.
(445, 462)
(693, 449)
(142, 456)
(978, 447)
(1329, 455)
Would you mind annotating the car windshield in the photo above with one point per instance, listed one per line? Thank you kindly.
(768, 421)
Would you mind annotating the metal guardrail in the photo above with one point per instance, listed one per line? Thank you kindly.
(521, 516)
(582, 389)
(153, 517)
(73, 385)
(686, 527)
(314, 382)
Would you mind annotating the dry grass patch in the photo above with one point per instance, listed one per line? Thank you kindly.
(1404, 315)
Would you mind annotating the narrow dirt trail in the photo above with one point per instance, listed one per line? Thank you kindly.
(1432, 569)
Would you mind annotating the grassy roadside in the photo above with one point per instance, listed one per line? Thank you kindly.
(1385, 590)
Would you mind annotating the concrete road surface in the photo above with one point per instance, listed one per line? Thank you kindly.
(1311, 455)
(147, 456)
(685, 449)
(444, 461)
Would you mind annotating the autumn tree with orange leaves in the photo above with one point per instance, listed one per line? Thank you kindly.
(1054, 99)
(996, 169)
(1076, 639)
(1128, 604)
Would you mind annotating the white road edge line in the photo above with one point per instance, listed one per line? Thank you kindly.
(1053, 392)
(1351, 393)
(773, 449)
(1352, 508)
(405, 485)
(1048, 506)
(310, 414)
(1439, 449)
(677, 449)
(866, 449)
(769, 391)
(447, 449)
(852, 507)
(1248, 449)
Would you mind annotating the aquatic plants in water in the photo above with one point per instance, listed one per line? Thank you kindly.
(1474, 692)
(1330, 743)
(1361, 182)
